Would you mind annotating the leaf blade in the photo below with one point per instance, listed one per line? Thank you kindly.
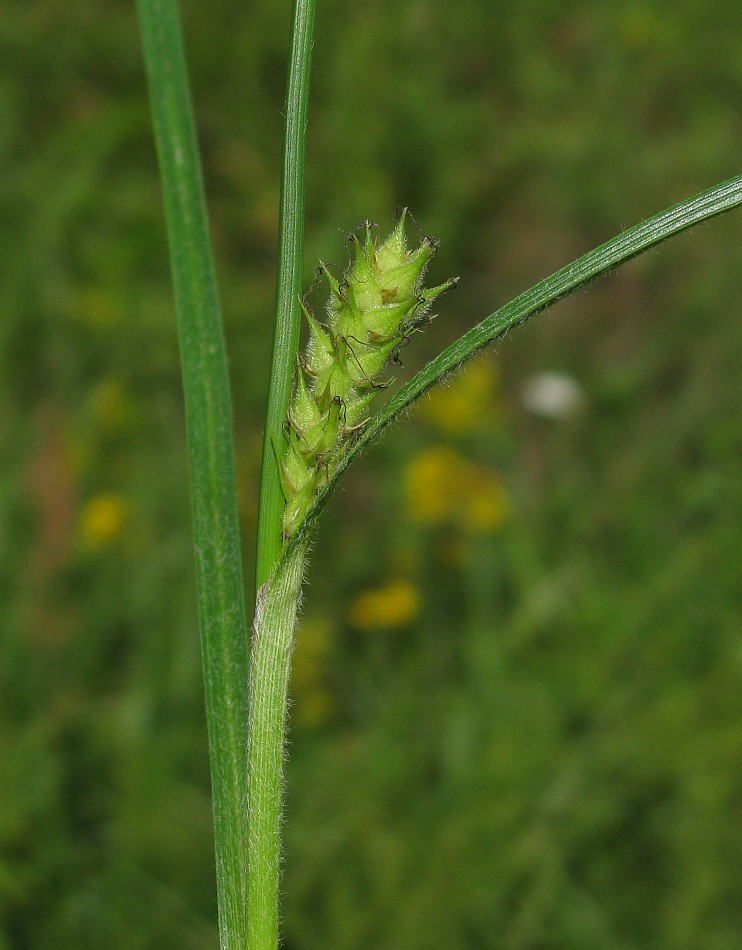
(594, 264)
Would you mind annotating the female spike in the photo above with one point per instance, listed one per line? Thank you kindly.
(370, 313)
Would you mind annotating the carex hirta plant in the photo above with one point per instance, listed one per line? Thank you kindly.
(319, 418)
(373, 308)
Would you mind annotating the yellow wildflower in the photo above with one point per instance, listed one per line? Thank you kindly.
(433, 483)
(487, 505)
(394, 605)
(103, 520)
(461, 405)
(442, 486)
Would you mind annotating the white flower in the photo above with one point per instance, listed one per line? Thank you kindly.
(552, 395)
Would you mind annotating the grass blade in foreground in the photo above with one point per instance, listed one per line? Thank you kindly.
(211, 456)
(594, 264)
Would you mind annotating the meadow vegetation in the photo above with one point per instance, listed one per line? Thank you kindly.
(517, 693)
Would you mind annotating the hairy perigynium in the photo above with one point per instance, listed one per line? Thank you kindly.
(377, 304)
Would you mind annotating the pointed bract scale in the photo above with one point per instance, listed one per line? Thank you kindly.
(362, 278)
(303, 411)
(384, 322)
(377, 305)
(313, 442)
(405, 280)
(336, 380)
(393, 251)
(297, 505)
(431, 293)
(296, 473)
(324, 436)
(338, 296)
(419, 316)
(356, 410)
(369, 361)
(320, 353)
(350, 322)
(344, 316)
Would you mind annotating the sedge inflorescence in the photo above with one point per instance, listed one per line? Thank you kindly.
(375, 306)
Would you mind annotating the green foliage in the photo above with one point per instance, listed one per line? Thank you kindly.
(213, 486)
(569, 693)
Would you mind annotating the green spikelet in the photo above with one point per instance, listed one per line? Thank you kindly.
(376, 305)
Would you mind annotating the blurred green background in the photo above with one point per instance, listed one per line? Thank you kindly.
(517, 716)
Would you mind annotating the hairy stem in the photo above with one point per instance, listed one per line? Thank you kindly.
(270, 666)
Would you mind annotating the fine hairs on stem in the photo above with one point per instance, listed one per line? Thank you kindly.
(310, 439)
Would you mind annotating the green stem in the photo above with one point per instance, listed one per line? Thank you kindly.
(270, 666)
(221, 604)
(289, 287)
(594, 264)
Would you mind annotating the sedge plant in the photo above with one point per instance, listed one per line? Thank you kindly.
(319, 419)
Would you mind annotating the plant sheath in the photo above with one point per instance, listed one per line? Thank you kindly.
(208, 411)
(270, 667)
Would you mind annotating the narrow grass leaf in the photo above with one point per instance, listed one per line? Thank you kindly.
(221, 604)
